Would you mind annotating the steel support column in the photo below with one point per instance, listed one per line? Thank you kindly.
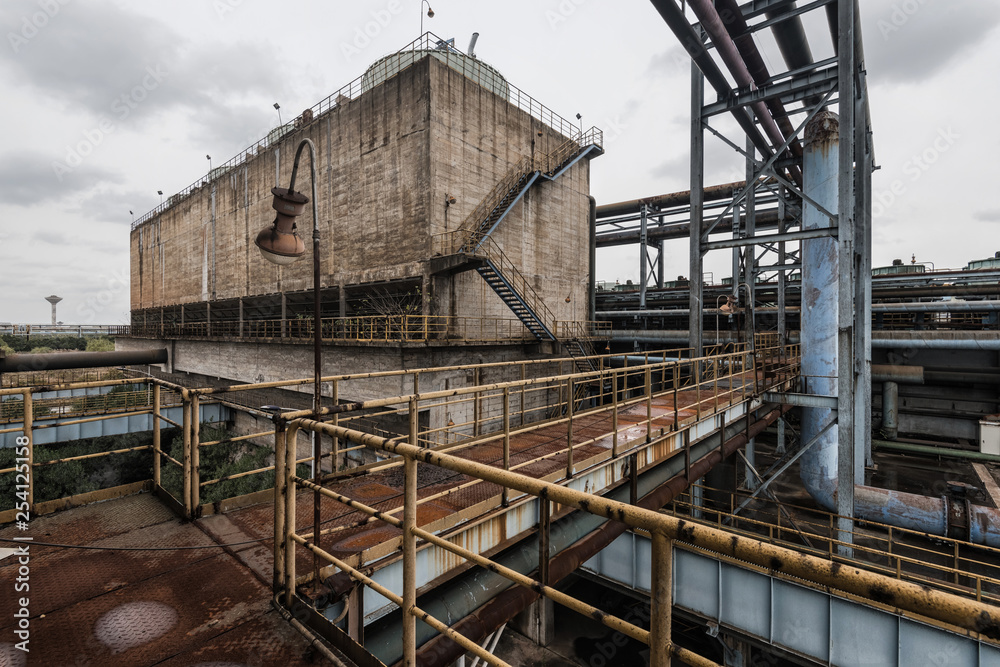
(847, 367)
(696, 268)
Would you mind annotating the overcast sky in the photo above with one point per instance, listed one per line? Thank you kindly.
(108, 101)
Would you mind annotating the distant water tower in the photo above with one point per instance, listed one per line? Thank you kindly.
(53, 300)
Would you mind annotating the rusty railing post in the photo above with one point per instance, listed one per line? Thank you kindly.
(291, 452)
(280, 488)
(569, 428)
(506, 442)
(195, 455)
(697, 386)
(335, 451)
(28, 425)
(544, 522)
(661, 601)
(409, 558)
(614, 414)
(186, 472)
(156, 436)
(649, 401)
(676, 373)
(476, 405)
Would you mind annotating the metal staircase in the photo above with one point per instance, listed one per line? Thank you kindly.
(508, 191)
(474, 238)
(513, 289)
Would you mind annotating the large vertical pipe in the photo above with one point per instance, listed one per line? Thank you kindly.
(820, 277)
(592, 291)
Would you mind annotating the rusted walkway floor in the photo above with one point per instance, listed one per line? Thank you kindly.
(539, 451)
(177, 608)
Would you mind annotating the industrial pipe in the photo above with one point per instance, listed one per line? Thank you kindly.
(691, 41)
(991, 342)
(898, 374)
(907, 596)
(930, 450)
(19, 363)
(713, 25)
(682, 198)
(767, 219)
(500, 609)
(820, 283)
(739, 31)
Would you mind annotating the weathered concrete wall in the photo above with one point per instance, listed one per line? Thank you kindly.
(373, 192)
(385, 163)
(476, 138)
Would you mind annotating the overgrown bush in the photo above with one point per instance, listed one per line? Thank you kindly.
(221, 460)
(21, 344)
(61, 480)
(100, 344)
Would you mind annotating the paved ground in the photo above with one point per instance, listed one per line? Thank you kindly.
(179, 608)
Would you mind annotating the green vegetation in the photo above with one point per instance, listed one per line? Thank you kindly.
(57, 342)
(221, 460)
(118, 397)
(41, 350)
(100, 344)
(62, 480)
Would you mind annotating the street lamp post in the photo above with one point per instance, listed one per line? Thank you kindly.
(430, 14)
(280, 244)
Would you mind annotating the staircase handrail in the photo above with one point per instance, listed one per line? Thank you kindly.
(490, 249)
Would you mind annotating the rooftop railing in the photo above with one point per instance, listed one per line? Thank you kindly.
(381, 71)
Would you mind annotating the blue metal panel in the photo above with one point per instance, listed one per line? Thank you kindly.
(924, 646)
(862, 635)
(812, 623)
(696, 583)
(989, 656)
(737, 587)
(801, 620)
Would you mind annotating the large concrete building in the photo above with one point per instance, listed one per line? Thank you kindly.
(453, 210)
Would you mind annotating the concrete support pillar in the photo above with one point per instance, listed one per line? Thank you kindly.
(241, 317)
(780, 450)
(426, 288)
(342, 295)
(537, 622)
(890, 410)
